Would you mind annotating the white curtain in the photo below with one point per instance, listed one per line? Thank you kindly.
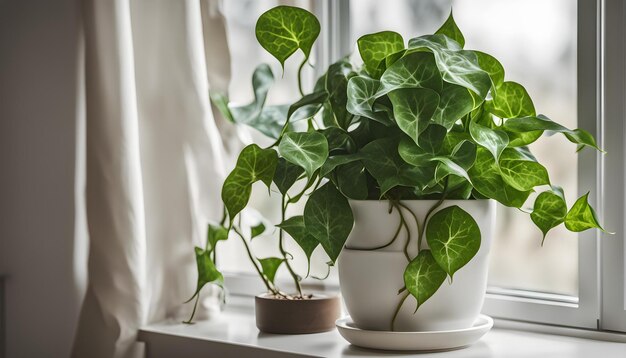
(155, 160)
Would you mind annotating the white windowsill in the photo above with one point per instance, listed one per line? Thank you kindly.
(234, 334)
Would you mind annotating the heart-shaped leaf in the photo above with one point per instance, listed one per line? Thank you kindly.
(374, 48)
(511, 101)
(493, 140)
(286, 175)
(294, 226)
(413, 109)
(253, 164)
(207, 272)
(215, 233)
(257, 230)
(309, 150)
(581, 216)
(336, 84)
(423, 277)
(328, 217)
(487, 180)
(383, 161)
(453, 237)
(541, 123)
(333, 162)
(454, 103)
(450, 29)
(492, 66)
(269, 266)
(362, 92)
(520, 172)
(431, 139)
(352, 180)
(457, 66)
(415, 70)
(549, 211)
(283, 30)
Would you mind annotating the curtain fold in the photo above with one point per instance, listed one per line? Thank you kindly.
(154, 163)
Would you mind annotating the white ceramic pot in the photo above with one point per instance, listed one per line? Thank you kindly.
(370, 280)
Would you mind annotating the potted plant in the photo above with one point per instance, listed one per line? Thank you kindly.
(412, 148)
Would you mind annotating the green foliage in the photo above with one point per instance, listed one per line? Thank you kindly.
(374, 48)
(269, 266)
(429, 121)
(549, 210)
(207, 272)
(308, 150)
(581, 216)
(423, 277)
(253, 164)
(328, 218)
(453, 237)
(284, 29)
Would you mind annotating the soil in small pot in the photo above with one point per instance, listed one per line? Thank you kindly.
(297, 315)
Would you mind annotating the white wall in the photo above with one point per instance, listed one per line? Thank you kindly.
(38, 122)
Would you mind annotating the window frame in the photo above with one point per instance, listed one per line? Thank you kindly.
(601, 303)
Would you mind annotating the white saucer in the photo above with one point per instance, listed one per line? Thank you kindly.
(414, 341)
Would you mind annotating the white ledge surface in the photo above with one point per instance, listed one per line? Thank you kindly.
(234, 334)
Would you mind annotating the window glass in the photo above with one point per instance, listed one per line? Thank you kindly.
(536, 43)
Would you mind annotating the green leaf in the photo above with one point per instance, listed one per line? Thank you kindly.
(415, 70)
(215, 233)
(286, 175)
(455, 102)
(464, 154)
(457, 66)
(423, 277)
(294, 226)
(453, 237)
(493, 140)
(328, 217)
(492, 66)
(541, 123)
(511, 100)
(309, 150)
(257, 230)
(315, 98)
(338, 140)
(333, 162)
(283, 30)
(413, 108)
(207, 272)
(352, 180)
(413, 154)
(362, 92)
(581, 216)
(374, 48)
(549, 211)
(269, 266)
(487, 180)
(336, 84)
(450, 29)
(447, 167)
(520, 172)
(431, 140)
(253, 164)
(382, 160)
(220, 101)
(267, 120)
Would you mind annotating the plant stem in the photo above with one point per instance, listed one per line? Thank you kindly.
(395, 314)
(393, 239)
(258, 270)
(282, 249)
(297, 197)
(417, 222)
(193, 312)
(430, 211)
(300, 77)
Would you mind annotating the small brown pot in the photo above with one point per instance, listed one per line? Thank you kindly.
(282, 316)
